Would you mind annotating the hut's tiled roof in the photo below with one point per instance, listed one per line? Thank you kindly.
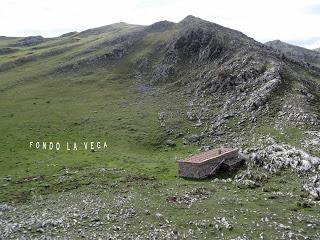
(208, 155)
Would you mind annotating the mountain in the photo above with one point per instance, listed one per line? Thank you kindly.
(317, 49)
(156, 94)
(296, 52)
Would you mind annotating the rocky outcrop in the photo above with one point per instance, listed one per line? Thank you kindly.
(199, 44)
(313, 187)
(277, 156)
(29, 41)
(7, 50)
(270, 80)
(274, 157)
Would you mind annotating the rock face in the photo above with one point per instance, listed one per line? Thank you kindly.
(295, 52)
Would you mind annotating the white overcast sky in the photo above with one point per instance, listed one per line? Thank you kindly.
(294, 21)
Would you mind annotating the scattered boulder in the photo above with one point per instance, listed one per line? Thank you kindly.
(170, 143)
(188, 198)
(194, 138)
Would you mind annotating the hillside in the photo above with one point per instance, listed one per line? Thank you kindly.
(296, 52)
(156, 94)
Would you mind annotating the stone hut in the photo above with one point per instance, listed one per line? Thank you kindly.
(208, 163)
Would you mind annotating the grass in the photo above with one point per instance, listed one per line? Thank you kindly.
(100, 106)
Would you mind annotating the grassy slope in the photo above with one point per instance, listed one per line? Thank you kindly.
(105, 104)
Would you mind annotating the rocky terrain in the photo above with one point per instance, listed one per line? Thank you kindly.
(296, 52)
(157, 94)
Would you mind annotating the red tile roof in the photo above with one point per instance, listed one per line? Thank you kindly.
(208, 155)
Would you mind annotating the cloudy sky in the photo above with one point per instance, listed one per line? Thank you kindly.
(294, 21)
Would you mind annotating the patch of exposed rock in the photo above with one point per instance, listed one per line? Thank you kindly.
(274, 157)
(313, 187)
(7, 50)
(29, 41)
(19, 61)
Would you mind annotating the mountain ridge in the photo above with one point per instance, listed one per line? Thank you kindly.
(184, 47)
(296, 52)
